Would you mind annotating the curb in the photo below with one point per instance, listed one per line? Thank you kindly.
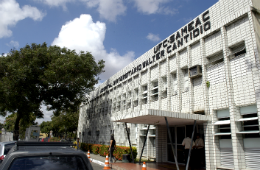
(97, 162)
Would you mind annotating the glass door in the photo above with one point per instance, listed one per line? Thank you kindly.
(178, 134)
(170, 154)
(181, 134)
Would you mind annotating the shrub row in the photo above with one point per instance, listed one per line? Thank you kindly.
(102, 150)
(54, 139)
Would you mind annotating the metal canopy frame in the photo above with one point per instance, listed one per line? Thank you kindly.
(133, 160)
(144, 144)
(170, 137)
(188, 161)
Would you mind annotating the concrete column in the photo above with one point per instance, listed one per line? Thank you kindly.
(149, 88)
(209, 150)
(179, 82)
(159, 86)
(169, 85)
(139, 92)
(204, 77)
(161, 144)
(191, 89)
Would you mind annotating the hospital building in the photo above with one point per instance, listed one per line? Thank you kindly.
(204, 78)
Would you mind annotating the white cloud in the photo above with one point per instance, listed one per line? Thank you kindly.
(108, 9)
(11, 13)
(56, 3)
(153, 6)
(82, 34)
(153, 37)
(13, 44)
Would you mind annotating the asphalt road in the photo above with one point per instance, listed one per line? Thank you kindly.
(96, 166)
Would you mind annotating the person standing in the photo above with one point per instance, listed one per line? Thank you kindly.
(77, 142)
(186, 143)
(112, 148)
(199, 146)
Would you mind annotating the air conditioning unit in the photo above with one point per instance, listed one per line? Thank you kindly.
(195, 71)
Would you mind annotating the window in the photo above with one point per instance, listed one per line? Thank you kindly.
(154, 91)
(174, 84)
(185, 80)
(144, 94)
(48, 162)
(238, 50)
(223, 124)
(135, 103)
(215, 59)
(164, 87)
(249, 121)
(7, 148)
(135, 94)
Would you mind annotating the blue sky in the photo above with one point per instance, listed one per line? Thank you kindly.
(117, 31)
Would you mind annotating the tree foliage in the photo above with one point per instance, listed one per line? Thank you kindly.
(46, 127)
(24, 123)
(38, 74)
(64, 123)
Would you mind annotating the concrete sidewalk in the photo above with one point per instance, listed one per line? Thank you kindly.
(119, 165)
(99, 159)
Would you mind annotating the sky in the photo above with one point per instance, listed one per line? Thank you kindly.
(117, 31)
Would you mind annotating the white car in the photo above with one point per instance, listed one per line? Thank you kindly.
(4, 149)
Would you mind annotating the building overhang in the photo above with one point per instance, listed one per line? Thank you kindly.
(157, 117)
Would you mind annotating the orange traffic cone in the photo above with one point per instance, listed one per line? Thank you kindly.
(89, 156)
(144, 166)
(106, 163)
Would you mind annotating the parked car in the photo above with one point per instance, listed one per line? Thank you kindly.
(4, 149)
(47, 139)
(45, 156)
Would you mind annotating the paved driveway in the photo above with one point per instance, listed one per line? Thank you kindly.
(96, 166)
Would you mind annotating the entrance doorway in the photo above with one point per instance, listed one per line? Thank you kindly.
(178, 133)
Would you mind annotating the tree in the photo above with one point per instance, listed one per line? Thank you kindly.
(46, 127)
(65, 122)
(24, 123)
(54, 76)
(1, 126)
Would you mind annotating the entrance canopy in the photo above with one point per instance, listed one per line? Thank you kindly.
(156, 117)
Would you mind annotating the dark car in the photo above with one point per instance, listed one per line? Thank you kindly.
(45, 156)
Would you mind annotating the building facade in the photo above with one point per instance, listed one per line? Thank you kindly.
(207, 71)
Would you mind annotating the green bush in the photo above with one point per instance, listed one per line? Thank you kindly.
(54, 139)
(103, 150)
(120, 150)
(86, 147)
(95, 148)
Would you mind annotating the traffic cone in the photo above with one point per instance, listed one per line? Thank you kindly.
(89, 156)
(106, 163)
(144, 166)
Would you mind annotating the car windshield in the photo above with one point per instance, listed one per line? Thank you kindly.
(48, 163)
(8, 147)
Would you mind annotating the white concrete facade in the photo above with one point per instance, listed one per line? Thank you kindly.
(208, 71)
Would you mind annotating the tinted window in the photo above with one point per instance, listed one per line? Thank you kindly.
(7, 148)
(48, 163)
